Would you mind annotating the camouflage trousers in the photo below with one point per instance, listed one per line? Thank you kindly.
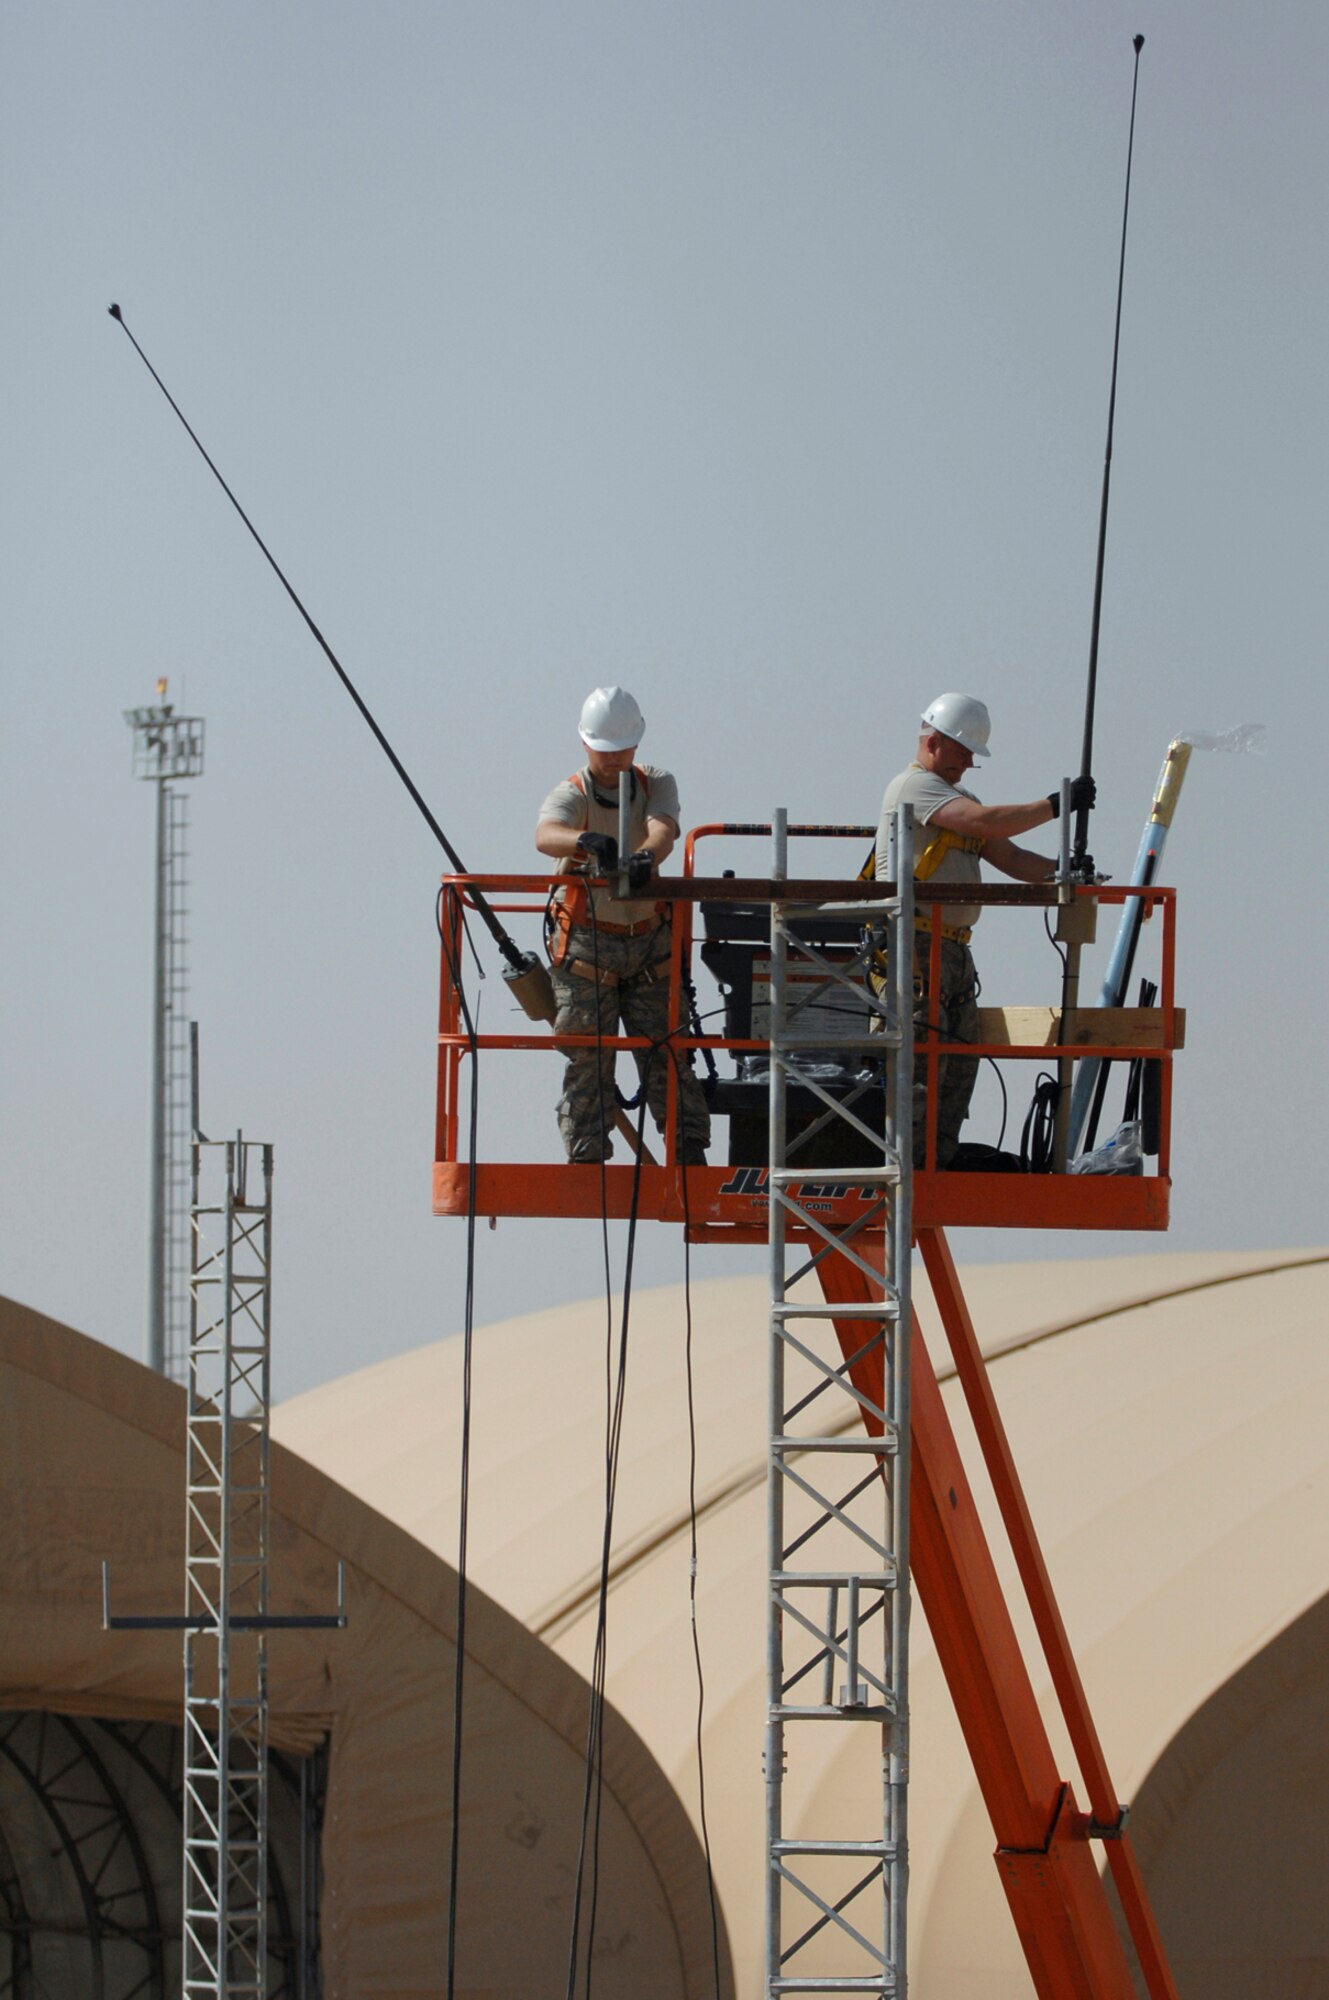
(632, 1004)
(954, 1018)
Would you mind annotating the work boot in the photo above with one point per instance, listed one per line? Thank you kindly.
(693, 1153)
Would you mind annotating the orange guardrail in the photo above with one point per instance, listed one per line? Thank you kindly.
(728, 1202)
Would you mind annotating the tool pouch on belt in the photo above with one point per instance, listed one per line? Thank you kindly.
(571, 907)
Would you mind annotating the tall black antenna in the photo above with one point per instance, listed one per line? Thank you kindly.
(1082, 863)
(519, 962)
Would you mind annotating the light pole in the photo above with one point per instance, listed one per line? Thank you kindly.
(167, 749)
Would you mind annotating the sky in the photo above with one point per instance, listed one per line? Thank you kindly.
(753, 356)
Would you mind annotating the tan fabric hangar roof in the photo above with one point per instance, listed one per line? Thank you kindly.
(1168, 1415)
(91, 1462)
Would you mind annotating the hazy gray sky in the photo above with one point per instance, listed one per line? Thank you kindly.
(755, 356)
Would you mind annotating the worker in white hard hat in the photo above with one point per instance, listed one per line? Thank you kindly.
(953, 830)
(609, 961)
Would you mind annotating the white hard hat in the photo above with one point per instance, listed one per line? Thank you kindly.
(611, 720)
(962, 718)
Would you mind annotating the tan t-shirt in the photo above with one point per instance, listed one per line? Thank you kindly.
(927, 793)
(578, 802)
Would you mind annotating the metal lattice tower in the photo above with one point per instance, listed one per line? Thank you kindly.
(167, 749)
(224, 1790)
(226, 1573)
(838, 1604)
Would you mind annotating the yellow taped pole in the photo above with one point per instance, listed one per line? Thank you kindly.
(1170, 781)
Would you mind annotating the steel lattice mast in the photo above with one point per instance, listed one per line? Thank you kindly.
(838, 1471)
(226, 1574)
(226, 1617)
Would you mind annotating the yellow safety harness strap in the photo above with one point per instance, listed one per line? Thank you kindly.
(942, 843)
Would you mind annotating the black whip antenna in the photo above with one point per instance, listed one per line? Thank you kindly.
(518, 961)
(1082, 863)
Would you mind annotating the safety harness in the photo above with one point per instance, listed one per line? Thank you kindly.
(942, 843)
(569, 907)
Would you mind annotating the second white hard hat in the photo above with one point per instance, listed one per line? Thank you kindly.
(963, 718)
(611, 720)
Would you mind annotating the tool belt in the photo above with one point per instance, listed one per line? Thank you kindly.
(648, 975)
(628, 930)
(877, 969)
(571, 911)
(958, 933)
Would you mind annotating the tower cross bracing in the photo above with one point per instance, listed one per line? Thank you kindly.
(838, 1496)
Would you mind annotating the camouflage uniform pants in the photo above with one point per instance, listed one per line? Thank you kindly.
(641, 1006)
(953, 1019)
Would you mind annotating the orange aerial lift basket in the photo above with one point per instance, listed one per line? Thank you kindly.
(1045, 1830)
(727, 1203)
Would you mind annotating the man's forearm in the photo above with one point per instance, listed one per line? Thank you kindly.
(1021, 863)
(558, 841)
(562, 843)
(995, 822)
(660, 837)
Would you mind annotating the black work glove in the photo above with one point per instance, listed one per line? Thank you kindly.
(1084, 792)
(641, 867)
(603, 849)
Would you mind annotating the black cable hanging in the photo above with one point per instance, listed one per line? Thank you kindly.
(620, 1405)
(1038, 1135)
(596, 1703)
(587, 1881)
(692, 1578)
(592, 1796)
(464, 1486)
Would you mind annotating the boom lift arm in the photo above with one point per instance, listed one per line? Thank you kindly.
(1058, 1899)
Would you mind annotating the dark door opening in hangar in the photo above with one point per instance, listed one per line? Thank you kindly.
(90, 1861)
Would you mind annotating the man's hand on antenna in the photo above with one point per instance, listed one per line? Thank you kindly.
(641, 867)
(1083, 797)
(603, 850)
